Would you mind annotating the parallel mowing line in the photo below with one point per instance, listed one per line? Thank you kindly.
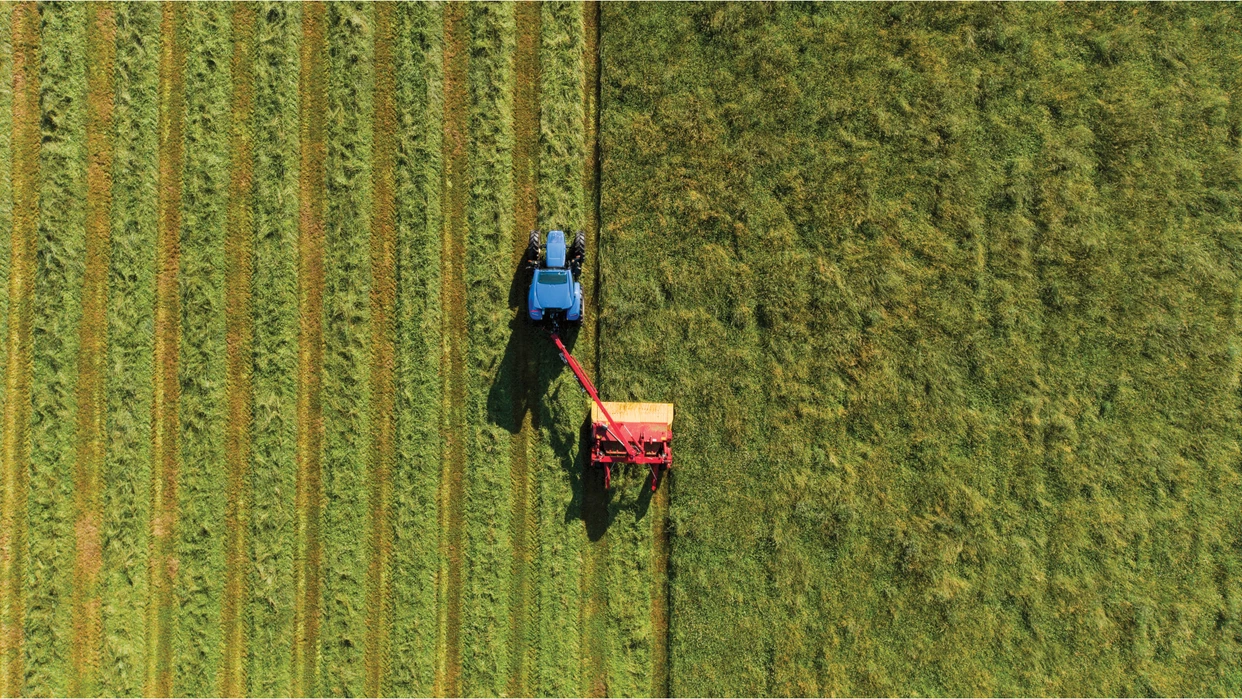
(415, 559)
(453, 333)
(165, 426)
(239, 250)
(595, 595)
(488, 557)
(347, 278)
(57, 312)
(523, 645)
(383, 308)
(202, 480)
(273, 471)
(131, 306)
(16, 441)
(313, 100)
(92, 354)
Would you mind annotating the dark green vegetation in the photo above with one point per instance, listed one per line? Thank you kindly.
(949, 300)
(950, 303)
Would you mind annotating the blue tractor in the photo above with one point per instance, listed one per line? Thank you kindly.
(555, 294)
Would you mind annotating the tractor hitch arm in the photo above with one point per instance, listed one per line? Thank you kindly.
(626, 441)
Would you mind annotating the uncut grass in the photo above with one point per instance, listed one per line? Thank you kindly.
(274, 304)
(418, 54)
(57, 310)
(950, 320)
(488, 276)
(557, 468)
(131, 282)
(346, 394)
(202, 485)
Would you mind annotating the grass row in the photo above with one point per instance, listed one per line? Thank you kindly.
(381, 452)
(452, 358)
(202, 481)
(15, 460)
(561, 404)
(92, 359)
(959, 307)
(8, 482)
(126, 516)
(419, 100)
(346, 367)
(312, 153)
(54, 352)
(516, 378)
(488, 274)
(239, 337)
(273, 476)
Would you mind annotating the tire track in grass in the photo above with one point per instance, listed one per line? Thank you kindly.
(523, 645)
(418, 53)
(453, 337)
(239, 257)
(202, 479)
(18, 368)
(488, 277)
(565, 629)
(660, 602)
(165, 425)
(383, 383)
(57, 313)
(313, 98)
(595, 556)
(269, 611)
(92, 355)
(129, 382)
(347, 277)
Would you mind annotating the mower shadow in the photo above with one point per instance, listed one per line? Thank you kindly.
(521, 389)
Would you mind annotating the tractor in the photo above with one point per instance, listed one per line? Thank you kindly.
(621, 433)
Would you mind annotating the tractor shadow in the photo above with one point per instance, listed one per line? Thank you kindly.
(522, 391)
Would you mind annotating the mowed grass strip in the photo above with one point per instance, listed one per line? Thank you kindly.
(418, 54)
(129, 383)
(346, 370)
(521, 373)
(455, 187)
(57, 314)
(594, 503)
(566, 629)
(488, 272)
(307, 559)
(203, 482)
(92, 356)
(18, 365)
(273, 481)
(165, 425)
(382, 449)
(239, 361)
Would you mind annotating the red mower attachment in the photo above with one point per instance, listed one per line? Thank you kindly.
(625, 433)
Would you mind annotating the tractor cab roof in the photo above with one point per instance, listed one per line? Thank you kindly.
(554, 257)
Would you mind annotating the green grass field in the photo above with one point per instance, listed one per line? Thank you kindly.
(948, 298)
(948, 301)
